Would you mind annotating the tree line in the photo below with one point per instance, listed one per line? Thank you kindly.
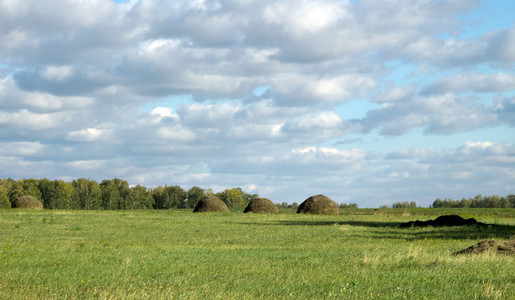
(112, 194)
(478, 201)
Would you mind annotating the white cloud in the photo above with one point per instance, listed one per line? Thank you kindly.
(88, 135)
(442, 114)
(469, 82)
(53, 73)
(74, 76)
(307, 17)
(29, 149)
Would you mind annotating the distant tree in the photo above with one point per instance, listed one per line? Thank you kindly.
(89, 193)
(437, 203)
(403, 204)
(65, 193)
(350, 205)
(16, 191)
(193, 196)
(511, 199)
(123, 190)
(236, 198)
(30, 187)
(48, 193)
(504, 203)
(157, 195)
(110, 195)
(4, 197)
(476, 202)
(140, 198)
(233, 198)
(174, 197)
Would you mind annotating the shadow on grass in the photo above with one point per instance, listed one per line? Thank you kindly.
(336, 223)
(391, 230)
(449, 232)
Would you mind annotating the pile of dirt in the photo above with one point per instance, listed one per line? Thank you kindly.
(507, 248)
(318, 204)
(27, 202)
(261, 205)
(211, 203)
(447, 220)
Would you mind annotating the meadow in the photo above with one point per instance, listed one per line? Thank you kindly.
(162, 254)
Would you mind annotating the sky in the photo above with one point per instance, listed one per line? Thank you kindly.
(368, 102)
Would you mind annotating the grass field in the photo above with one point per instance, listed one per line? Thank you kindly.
(359, 254)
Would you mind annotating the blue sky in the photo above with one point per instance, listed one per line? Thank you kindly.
(370, 102)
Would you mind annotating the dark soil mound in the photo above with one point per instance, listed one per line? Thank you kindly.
(261, 205)
(448, 220)
(27, 202)
(318, 204)
(211, 203)
(507, 247)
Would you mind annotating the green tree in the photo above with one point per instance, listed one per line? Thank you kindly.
(89, 193)
(233, 198)
(48, 193)
(31, 187)
(124, 191)
(110, 195)
(193, 196)
(504, 203)
(56, 194)
(157, 195)
(65, 194)
(4, 197)
(174, 197)
(16, 191)
(140, 197)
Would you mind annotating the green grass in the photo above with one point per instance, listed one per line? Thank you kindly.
(360, 254)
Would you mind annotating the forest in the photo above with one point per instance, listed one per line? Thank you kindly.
(112, 194)
(478, 201)
(116, 194)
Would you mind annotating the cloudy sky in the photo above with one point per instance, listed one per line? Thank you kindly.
(365, 101)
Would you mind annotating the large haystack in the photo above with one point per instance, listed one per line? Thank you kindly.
(211, 203)
(261, 205)
(27, 202)
(318, 204)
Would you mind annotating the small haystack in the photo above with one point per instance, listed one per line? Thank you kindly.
(261, 205)
(211, 203)
(318, 204)
(507, 248)
(27, 202)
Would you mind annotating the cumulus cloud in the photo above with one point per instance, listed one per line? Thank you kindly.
(476, 83)
(83, 89)
(443, 114)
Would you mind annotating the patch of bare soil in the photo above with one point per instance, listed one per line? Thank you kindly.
(447, 220)
(507, 248)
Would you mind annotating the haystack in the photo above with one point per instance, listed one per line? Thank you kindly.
(27, 202)
(492, 246)
(261, 205)
(211, 203)
(318, 204)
